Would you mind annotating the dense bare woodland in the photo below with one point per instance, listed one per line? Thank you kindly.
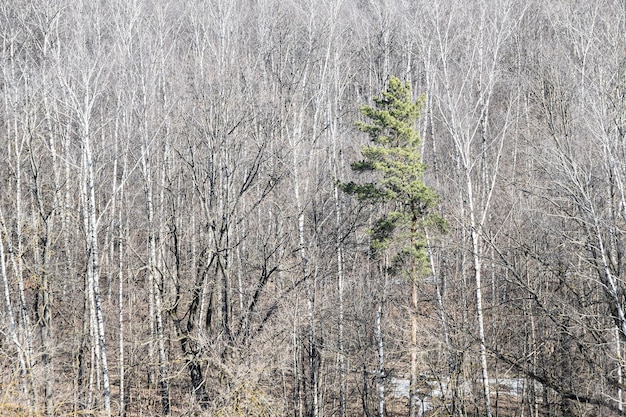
(175, 241)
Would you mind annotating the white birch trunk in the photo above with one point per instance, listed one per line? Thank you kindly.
(11, 315)
(163, 372)
(120, 312)
(310, 290)
(620, 377)
(89, 211)
(341, 359)
(338, 168)
(24, 328)
(18, 267)
(154, 287)
(476, 255)
(309, 286)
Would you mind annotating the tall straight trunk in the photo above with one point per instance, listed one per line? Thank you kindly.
(620, 378)
(333, 114)
(341, 358)
(466, 107)
(312, 352)
(46, 327)
(414, 351)
(122, 236)
(80, 401)
(151, 257)
(310, 294)
(155, 288)
(476, 255)
(380, 373)
(163, 372)
(163, 375)
(164, 101)
(9, 71)
(381, 299)
(296, 395)
(89, 211)
(443, 316)
(531, 344)
(120, 313)
(11, 315)
(18, 266)
(47, 344)
(45, 291)
(439, 282)
(414, 324)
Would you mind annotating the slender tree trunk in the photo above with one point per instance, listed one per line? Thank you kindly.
(163, 369)
(120, 312)
(414, 350)
(380, 374)
(93, 255)
(443, 315)
(155, 289)
(8, 304)
(83, 397)
(18, 268)
(338, 167)
(50, 223)
(10, 72)
(122, 237)
(46, 329)
(312, 350)
(413, 399)
(312, 353)
(620, 378)
(341, 359)
(296, 395)
(476, 255)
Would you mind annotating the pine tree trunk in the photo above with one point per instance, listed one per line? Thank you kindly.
(414, 350)
(380, 377)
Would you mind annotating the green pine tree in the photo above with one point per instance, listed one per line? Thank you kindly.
(394, 160)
